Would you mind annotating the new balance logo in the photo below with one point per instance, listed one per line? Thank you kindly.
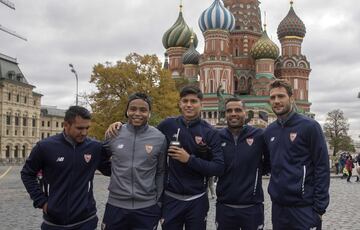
(60, 159)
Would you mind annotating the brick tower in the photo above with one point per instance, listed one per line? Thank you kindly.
(292, 64)
(216, 64)
(176, 41)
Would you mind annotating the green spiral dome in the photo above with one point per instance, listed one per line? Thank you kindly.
(179, 35)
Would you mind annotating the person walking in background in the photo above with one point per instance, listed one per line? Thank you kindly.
(357, 167)
(68, 162)
(239, 190)
(300, 173)
(342, 161)
(138, 166)
(349, 165)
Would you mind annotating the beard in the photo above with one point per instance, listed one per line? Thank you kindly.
(285, 111)
(236, 125)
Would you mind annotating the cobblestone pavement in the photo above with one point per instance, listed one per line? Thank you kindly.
(16, 211)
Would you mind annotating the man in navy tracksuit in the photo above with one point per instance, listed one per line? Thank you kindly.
(239, 190)
(194, 155)
(68, 161)
(300, 176)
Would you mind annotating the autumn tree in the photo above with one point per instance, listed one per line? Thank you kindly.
(336, 129)
(115, 83)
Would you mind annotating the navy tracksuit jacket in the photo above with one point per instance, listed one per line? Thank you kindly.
(191, 178)
(69, 172)
(245, 162)
(299, 159)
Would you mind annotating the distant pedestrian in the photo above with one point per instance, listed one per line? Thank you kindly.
(357, 167)
(349, 165)
(342, 161)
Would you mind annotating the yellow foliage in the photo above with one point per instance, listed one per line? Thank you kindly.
(115, 83)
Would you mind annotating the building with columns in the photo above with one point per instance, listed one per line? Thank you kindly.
(20, 112)
(23, 120)
(239, 58)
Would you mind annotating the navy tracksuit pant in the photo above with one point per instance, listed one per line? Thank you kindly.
(295, 218)
(116, 218)
(89, 225)
(229, 218)
(191, 214)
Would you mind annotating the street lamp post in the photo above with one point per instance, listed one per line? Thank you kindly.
(77, 81)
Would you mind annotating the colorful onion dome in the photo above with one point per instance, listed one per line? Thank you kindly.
(217, 17)
(179, 34)
(264, 48)
(291, 25)
(191, 56)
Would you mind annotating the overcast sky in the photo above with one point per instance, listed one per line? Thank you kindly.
(87, 32)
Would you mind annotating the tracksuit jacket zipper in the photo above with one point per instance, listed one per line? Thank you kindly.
(71, 184)
(256, 181)
(132, 169)
(303, 180)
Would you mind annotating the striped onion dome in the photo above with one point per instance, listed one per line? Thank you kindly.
(264, 48)
(178, 35)
(291, 25)
(217, 17)
(191, 56)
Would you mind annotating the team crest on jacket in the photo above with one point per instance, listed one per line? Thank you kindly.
(250, 141)
(198, 140)
(148, 148)
(293, 136)
(87, 157)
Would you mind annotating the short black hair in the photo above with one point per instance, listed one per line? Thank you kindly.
(75, 111)
(234, 99)
(138, 95)
(191, 89)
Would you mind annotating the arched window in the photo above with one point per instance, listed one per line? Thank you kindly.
(242, 81)
(16, 152)
(7, 152)
(249, 82)
(23, 151)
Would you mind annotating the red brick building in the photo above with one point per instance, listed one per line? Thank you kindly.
(239, 58)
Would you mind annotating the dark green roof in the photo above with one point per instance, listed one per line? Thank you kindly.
(10, 70)
(266, 75)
